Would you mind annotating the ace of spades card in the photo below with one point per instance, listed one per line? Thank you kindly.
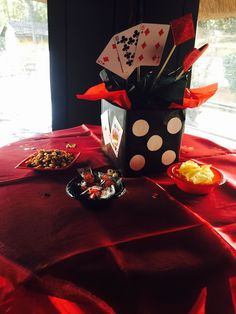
(151, 43)
(109, 59)
(126, 43)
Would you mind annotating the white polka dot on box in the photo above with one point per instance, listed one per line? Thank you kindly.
(150, 139)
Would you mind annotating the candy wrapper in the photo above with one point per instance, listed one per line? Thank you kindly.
(143, 112)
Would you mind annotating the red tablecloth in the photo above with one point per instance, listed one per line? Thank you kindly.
(154, 250)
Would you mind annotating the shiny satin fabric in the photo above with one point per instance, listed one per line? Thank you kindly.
(153, 250)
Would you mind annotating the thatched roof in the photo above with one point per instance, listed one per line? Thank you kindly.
(210, 9)
(44, 1)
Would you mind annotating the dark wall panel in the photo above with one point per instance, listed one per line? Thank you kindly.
(57, 48)
(90, 25)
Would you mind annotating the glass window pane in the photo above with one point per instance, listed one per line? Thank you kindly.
(25, 100)
(216, 118)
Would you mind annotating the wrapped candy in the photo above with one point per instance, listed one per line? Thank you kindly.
(87, 175)
(93, 185)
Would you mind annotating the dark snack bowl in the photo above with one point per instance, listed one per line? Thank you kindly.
(76, 189)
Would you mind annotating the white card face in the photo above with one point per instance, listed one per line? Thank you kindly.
(116, 135)
(109, 58)
(126, 43)
(151, 43)
(105, 127)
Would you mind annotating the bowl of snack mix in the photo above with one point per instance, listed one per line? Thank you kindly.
(49, 160)
(195, 178)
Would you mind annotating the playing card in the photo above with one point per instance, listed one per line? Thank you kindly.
(109, 58)
(151, 43)
(126, 42)
(105, 127)
(116, 135)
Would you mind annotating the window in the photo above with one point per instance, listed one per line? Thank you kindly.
(216, 118)
(25, 101)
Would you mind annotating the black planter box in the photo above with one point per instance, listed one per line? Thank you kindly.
(150, 140)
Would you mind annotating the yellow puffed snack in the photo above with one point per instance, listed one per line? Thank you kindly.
(195, 173)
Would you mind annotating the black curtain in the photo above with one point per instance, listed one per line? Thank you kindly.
(79, 31)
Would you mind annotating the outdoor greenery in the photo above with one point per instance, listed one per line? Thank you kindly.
(20, 10)
(25, 10)
(227, 25)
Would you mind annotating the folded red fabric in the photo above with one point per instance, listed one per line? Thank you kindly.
(54, 297)
(144, 253)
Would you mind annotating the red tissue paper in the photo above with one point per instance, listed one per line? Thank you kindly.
(97, 92)
(195, 97)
